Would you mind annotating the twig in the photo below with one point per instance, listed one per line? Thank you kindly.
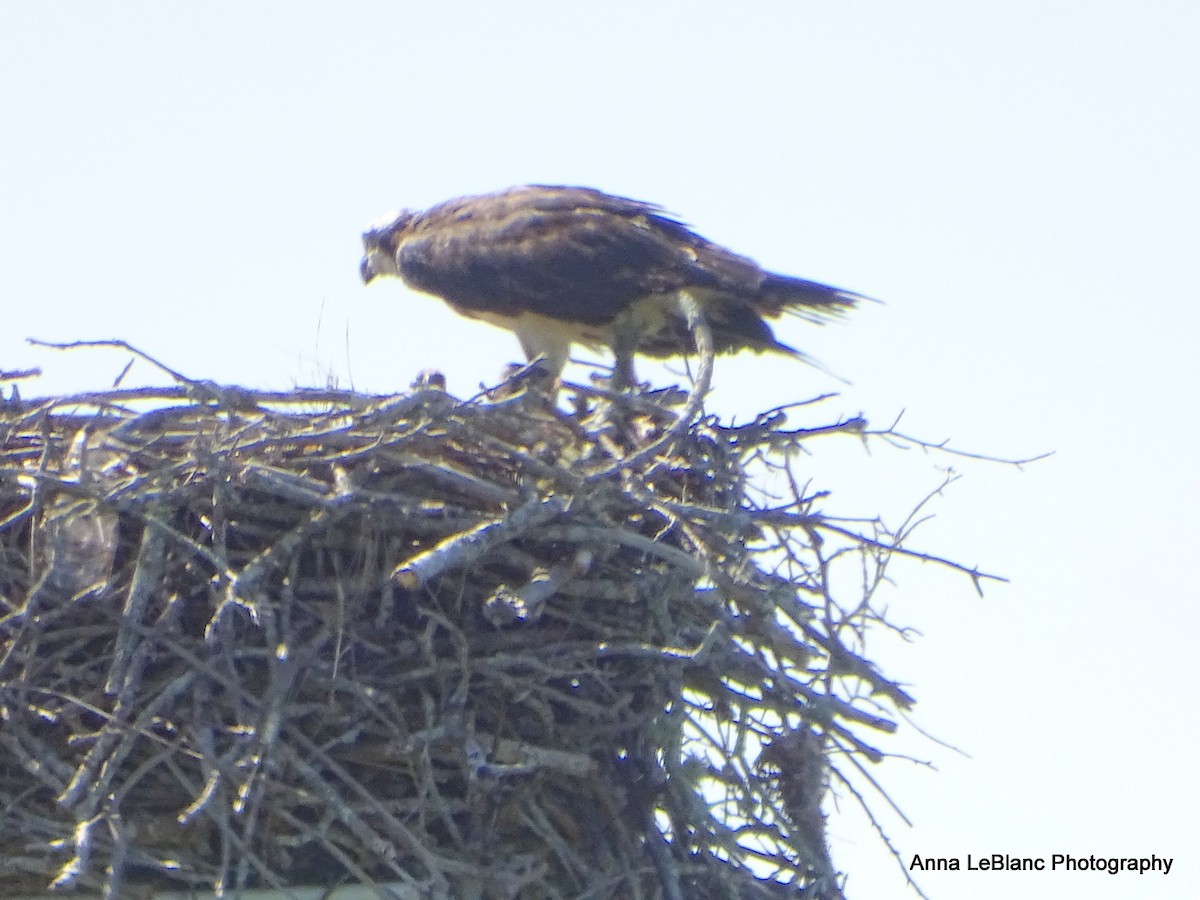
(119, 345)
(462, 549)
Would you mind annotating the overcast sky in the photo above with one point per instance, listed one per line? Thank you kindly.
(1017, 181)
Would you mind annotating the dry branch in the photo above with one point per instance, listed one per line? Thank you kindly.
(252, 640)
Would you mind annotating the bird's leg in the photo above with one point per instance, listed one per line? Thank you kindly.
(624, 346)
(612, 416)
(692, 312)
(547, 357)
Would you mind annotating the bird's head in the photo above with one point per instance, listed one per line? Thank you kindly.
(380, 243)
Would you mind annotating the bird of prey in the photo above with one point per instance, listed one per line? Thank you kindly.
(573, 265)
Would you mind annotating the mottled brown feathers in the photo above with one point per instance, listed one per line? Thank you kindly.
(563, 265)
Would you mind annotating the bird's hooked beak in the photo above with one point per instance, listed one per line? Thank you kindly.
(377, 259)
(367, 272)
(380, 243)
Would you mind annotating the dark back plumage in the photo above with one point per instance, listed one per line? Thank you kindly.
(601, 265)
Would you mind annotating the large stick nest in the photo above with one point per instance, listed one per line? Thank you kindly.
(440, 648)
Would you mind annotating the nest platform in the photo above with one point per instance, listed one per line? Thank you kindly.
(257, 644)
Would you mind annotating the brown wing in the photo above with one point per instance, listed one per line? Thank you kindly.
(580, 255)
(570, 253)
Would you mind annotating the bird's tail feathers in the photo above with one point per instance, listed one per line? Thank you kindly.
(808, 360)
(809, 300)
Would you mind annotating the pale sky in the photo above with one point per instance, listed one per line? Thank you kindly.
(1017, 181)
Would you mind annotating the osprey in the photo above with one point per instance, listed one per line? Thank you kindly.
(573, 265)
